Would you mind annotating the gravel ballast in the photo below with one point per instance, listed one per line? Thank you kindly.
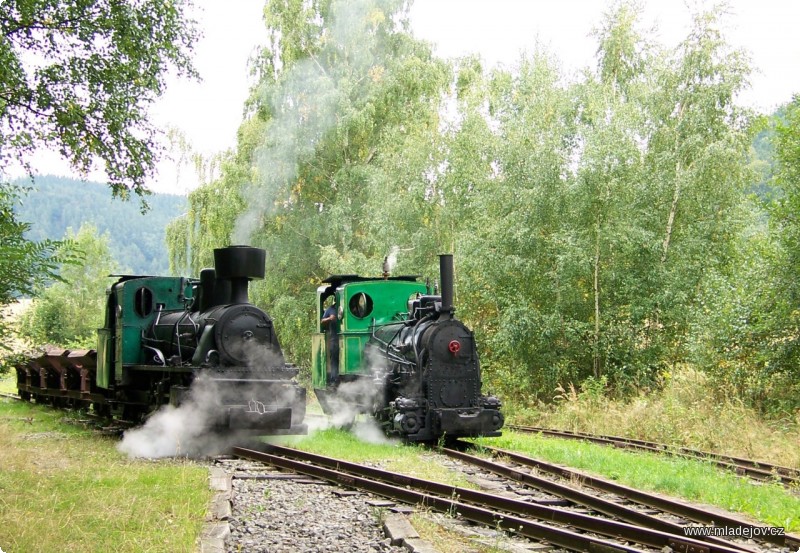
(277, 512)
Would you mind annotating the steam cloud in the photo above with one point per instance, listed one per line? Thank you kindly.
(344, 405)
(305, 104)
(179, 431)
(187, 431)
(391, 259)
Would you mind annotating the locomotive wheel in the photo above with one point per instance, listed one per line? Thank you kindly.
(24, 395)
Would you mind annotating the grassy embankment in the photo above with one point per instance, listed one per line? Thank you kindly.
(696, 481)
(64, 488)
(688, 411)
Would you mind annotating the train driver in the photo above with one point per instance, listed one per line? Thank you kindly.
(331, 325)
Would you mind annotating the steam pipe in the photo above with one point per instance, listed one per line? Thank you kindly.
(446, 276)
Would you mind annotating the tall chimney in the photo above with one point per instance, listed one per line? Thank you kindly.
(238, 265)
(446, 276)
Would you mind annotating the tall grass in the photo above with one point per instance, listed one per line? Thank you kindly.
(686, 411)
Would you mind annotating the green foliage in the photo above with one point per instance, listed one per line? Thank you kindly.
(136, 240)
(747, 325)
(608, 200)
(24, 265)
(787, 179)
(600, 224)
(79, 76)
(68, 313)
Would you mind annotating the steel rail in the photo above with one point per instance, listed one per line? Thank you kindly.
(513, 514)
(745, 467)
(661, 503)
(605, 506)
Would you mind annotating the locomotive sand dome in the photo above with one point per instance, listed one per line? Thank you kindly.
(404, 358)
(167, 337)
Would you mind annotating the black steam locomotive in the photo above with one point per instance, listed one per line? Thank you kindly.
(169, 340)
(397, 351)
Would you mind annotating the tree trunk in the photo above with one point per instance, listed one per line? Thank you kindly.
(672, 210)
(596, 353)
(677, 192)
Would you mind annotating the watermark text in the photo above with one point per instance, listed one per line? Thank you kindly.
(746, 532)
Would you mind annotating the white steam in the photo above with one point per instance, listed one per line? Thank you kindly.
(391, 259)
(344, 405)
(369, 431)
(179, 431)
(306, 103)
(188, 430)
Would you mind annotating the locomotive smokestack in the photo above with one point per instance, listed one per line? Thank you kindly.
(446, 276)
(239, 265)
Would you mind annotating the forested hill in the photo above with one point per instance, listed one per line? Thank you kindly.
(57, 203)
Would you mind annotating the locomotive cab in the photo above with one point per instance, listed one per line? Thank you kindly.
(362, 304)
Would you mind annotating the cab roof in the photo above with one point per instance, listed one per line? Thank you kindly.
(337, 280)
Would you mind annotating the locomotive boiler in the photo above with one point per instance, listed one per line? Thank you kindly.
(404, 358)
(170, 340)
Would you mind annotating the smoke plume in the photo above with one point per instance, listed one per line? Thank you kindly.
(307, 100)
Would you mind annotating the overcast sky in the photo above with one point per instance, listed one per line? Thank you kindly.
(209, 112)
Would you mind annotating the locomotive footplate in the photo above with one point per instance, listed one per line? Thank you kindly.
(468, 422)
(248, 403)
(257, 416)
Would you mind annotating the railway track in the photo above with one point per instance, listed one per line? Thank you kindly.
(755, 470)
(571, 529)
(614, 499)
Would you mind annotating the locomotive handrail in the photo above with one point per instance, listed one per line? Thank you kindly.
(159, 310)
(398, 359)
(159, 355)
(374, 337)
